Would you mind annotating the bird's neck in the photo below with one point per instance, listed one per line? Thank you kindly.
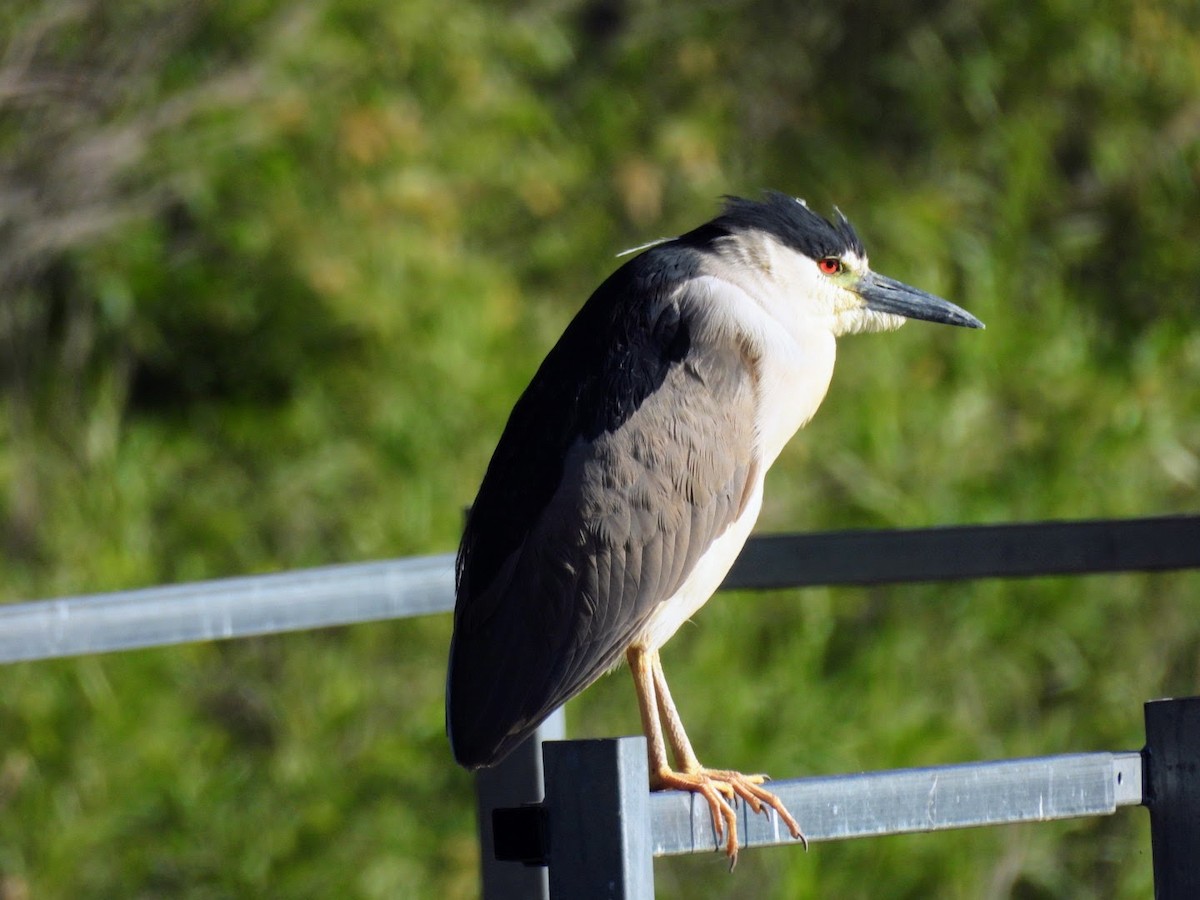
(792, 355)
(796, 369)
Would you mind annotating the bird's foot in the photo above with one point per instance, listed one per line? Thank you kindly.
(719, 787)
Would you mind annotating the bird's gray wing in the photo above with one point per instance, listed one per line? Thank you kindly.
(629, 453)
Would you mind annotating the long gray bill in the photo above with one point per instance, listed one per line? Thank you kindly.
(887, 295)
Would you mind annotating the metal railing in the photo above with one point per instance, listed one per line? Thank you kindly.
(598, 829)
(423, 585)
(628, 825)
(227, 608)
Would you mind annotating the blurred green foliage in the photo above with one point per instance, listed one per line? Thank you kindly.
(272, 274)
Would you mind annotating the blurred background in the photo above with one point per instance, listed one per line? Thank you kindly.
(273, 273)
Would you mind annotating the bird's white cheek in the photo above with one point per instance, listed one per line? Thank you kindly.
(860, 320)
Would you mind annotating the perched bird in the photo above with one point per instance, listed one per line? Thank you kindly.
(631, 471)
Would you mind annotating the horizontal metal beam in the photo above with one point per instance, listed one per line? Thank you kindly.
(227, 608)
(364, 592)
(910, 800)
(969, 551)
(899, 801)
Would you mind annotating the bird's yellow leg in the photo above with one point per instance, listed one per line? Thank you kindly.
(662, 776)
(685, 756)
(725, 781)
(643, 685)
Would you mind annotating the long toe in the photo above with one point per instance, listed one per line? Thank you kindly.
(714, 791)
(748, 787)
(718, 787)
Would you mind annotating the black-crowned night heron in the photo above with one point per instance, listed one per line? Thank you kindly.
(631, 471)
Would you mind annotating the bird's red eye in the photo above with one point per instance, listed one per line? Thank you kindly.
(830, 265)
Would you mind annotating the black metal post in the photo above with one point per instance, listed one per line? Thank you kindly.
(517, 781)
(1172, 793)
(598, 819)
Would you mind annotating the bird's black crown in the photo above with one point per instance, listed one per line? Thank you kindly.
(786, 219)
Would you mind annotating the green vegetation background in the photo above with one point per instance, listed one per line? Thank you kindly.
(272, 274)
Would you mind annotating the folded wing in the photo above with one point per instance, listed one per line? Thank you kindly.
(632, 449)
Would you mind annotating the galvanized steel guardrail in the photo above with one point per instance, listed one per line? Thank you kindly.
(596, 835)
(423, 585)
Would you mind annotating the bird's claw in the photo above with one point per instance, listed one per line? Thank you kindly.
(719, 788)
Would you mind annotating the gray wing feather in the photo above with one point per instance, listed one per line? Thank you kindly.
(634, 510)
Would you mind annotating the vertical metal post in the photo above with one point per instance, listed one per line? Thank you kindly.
(514, 782)
(1172, 793)
(598, 819)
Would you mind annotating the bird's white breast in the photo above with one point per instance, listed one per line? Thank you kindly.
(794, 367)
